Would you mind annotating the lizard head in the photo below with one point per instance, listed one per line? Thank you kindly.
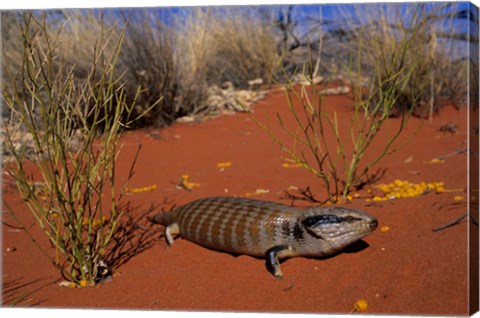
(338, 227)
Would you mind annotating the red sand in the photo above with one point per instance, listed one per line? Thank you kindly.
(407, 270)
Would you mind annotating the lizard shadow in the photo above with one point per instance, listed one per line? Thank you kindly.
(355, 247)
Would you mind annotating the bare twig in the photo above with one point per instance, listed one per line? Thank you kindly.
(457, 152)
(455, 222)
(303, 195)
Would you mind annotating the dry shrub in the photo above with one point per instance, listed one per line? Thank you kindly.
(337, 156)
(437, 50)
(74, 197)
(229, 44)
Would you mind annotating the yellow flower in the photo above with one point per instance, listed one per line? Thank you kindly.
(405, 189)
(379, 199)
(384, 229)
(360, 305)
(384, 188)
(83, 283)
(191, 185)
(144, 189)
(458, 198)
(394, 195)
(186, 184)
(436, 160)
(224, 164)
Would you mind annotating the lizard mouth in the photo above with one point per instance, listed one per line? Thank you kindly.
(352, 233)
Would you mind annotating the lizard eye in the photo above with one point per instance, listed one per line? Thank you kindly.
(350, 218)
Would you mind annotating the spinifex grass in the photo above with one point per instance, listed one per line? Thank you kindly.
(338, 157)
(76, 125)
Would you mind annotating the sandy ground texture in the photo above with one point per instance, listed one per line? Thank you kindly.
(405, 268)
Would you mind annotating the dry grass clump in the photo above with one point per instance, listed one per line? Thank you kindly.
(437, 51)
(149, 59)
(229, 44)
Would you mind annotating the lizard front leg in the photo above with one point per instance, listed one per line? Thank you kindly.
(273, 256)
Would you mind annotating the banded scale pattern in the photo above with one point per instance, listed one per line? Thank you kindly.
(237, 225)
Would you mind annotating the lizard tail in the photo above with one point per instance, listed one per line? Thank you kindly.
(163, 218)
